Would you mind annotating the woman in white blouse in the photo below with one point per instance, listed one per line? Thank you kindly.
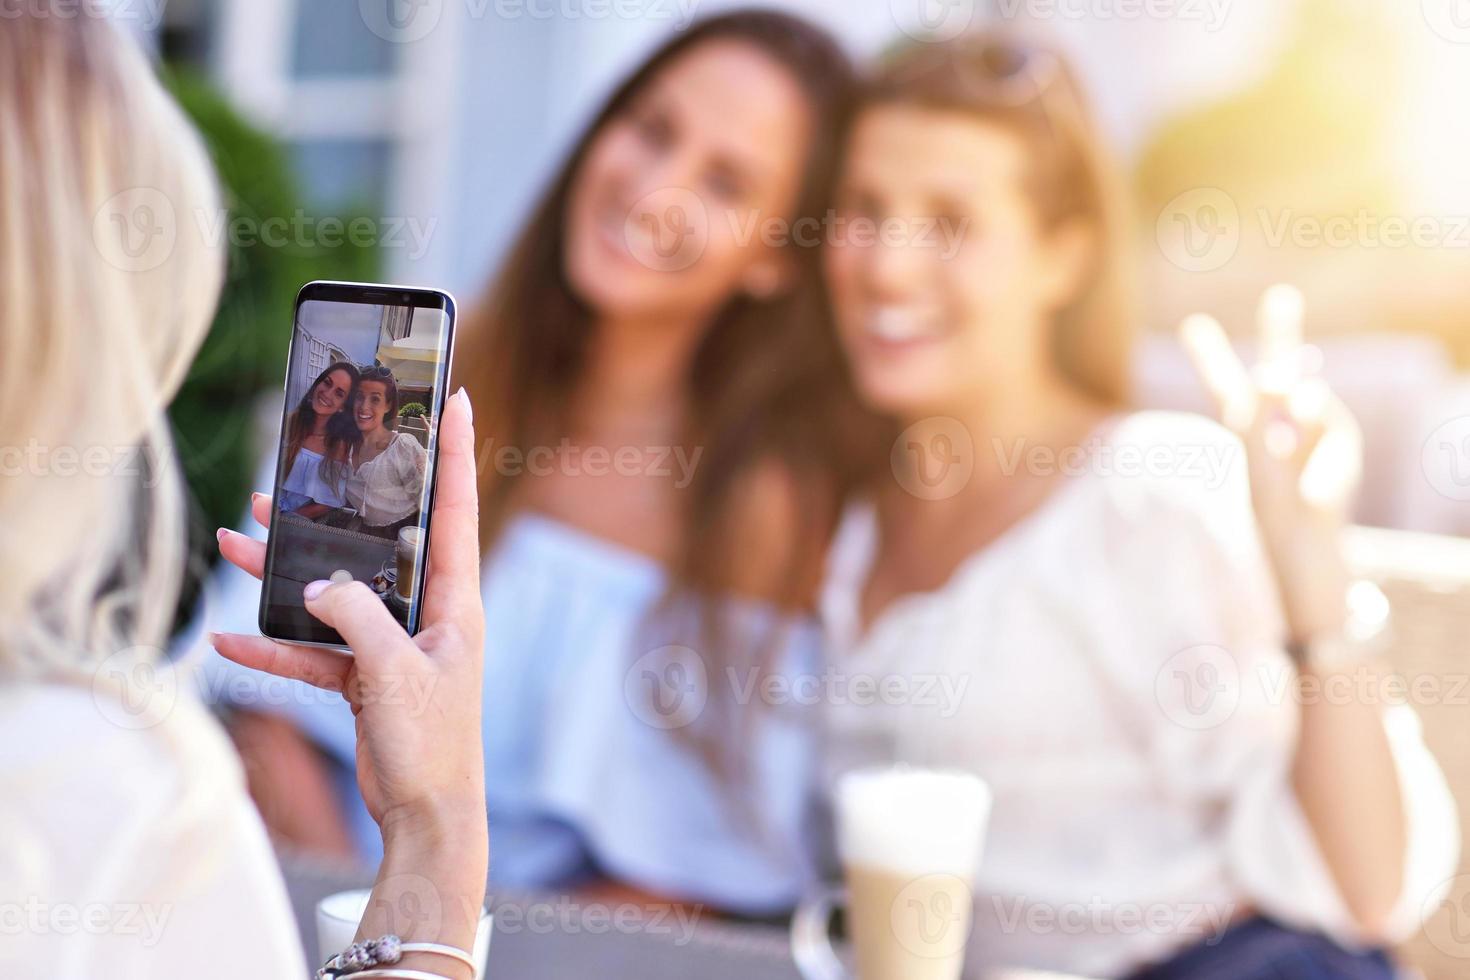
(1079, 596)
(385, 484)
(128, 846)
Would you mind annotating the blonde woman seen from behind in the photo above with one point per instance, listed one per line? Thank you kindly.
(123, 806)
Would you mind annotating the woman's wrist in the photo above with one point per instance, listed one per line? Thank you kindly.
(435, 859)
(423, 826)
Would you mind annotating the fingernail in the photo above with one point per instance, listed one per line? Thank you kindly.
(315, 589)
(220, 534)
(212, 638)
(255, 495)
(469, 410)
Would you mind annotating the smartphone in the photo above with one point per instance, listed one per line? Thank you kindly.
(354, 488)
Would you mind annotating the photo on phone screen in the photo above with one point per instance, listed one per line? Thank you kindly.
(354, 481)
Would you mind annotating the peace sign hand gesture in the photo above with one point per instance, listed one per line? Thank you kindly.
(1303, 448)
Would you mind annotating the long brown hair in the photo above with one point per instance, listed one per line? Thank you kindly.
(303, 419)
(1015, 81)
(767, 381)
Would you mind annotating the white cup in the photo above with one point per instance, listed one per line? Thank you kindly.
(338, 916)
(910, 842)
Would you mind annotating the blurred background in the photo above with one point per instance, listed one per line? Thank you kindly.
(1321, 142)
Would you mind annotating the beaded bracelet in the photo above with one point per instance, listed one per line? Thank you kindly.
(384, 951)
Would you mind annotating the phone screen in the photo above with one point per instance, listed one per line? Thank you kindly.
(365, 386)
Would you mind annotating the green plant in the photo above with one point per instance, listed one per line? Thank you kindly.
(413, 410)
(213, 416)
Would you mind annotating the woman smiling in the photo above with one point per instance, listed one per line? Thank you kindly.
(386, 467)
(318, 436)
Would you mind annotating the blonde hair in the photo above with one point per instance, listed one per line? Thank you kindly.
(1026, 85)
(107, 288)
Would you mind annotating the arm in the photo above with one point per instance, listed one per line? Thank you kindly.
(420, 762)
(290, 784)
(1303, 453)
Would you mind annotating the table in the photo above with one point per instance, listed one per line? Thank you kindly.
(552, 937)
(307, 551)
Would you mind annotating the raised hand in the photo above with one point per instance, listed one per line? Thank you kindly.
(1303, 448)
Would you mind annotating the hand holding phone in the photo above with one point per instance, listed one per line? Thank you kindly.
(416, 698)
(365, 382)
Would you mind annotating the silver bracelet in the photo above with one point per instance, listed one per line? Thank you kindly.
(387, 950)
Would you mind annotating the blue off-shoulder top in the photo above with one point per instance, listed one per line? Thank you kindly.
(588, 702)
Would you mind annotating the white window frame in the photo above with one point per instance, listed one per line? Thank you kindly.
(254, 47)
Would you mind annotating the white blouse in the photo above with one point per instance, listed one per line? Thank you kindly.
(390, 486)
(128, 846)
(1113, 667)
